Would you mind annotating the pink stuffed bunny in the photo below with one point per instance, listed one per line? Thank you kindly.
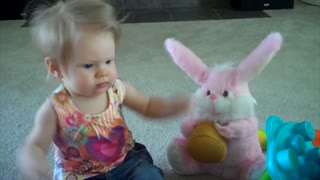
(224, 98)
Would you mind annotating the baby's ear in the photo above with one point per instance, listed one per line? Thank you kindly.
(53, 67)
(190, 63)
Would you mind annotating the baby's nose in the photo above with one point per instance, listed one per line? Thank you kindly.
(213, 97)
(102, 72)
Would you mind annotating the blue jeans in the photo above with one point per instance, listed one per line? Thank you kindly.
(138, 164)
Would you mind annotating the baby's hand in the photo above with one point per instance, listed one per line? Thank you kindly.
(33, 164)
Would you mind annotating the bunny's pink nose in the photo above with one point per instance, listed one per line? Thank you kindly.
(213, 97)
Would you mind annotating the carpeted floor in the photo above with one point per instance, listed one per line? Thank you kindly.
(289, 87)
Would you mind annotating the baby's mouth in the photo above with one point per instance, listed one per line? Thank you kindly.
(102, 85)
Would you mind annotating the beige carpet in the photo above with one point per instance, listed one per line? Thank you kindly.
(289, 87)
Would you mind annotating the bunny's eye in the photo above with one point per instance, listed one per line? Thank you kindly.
(208, 93)
(225, 93)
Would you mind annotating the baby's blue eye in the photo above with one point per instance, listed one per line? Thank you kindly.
(87, 66)
(108, 62)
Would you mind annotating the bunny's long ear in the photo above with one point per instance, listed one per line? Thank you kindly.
(190, 63)
(260, 57)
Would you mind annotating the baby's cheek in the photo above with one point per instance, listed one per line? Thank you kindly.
(83, 81)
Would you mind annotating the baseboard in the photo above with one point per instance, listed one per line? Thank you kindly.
(158, 4)
(312, 2)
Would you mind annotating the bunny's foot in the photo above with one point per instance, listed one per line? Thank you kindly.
(255, 169)
(180, 160)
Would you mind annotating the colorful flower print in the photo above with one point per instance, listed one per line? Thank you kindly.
(76, 119)
(84, 167)
(107, 149)
(58, 141)
(72, 152)
(120, 111)
(72, 176)
(76, 136)
(114, 89)
(59, 163)
(62, 98)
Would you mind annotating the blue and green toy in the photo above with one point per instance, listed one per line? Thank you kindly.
(290, 153)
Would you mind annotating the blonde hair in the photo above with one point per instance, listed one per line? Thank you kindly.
(55, 28)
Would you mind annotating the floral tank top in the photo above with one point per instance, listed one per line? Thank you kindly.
(87, 145)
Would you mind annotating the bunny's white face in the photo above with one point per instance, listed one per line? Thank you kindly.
(222, 98)
(224, 95)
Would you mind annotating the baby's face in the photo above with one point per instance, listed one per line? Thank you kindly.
(91, 68)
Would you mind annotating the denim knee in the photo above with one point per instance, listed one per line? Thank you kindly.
(147, 171)
(138, 165)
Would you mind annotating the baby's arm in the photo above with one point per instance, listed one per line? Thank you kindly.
(32, 157)
(154, 107)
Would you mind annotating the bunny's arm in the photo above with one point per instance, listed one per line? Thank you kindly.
(187, 126)
(238, 128)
